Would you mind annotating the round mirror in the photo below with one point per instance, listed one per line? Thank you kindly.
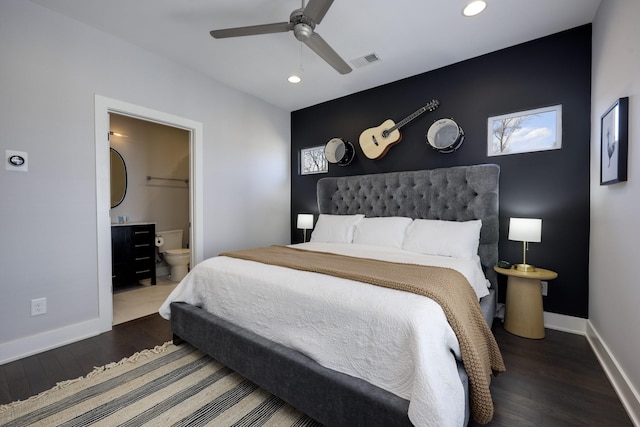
(118, 178)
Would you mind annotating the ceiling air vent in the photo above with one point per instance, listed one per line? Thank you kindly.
(365, 60)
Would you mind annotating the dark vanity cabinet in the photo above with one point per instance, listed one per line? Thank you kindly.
(133, 254)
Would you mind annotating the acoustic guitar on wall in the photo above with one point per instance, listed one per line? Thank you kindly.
(376, 141)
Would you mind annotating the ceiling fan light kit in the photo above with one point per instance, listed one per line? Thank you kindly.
(302, 22)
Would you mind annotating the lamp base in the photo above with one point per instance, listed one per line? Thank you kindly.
(525, 267)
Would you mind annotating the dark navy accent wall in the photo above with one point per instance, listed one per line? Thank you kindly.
(552, 185)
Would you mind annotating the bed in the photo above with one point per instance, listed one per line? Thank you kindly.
(339, 395)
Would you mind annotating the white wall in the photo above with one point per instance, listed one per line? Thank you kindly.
(614, 292)
(52, 67)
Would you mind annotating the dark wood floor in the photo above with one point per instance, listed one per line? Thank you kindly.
(31, 375)
(552, 382)
(556, 381)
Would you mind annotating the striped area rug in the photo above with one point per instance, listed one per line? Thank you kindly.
(167, 386)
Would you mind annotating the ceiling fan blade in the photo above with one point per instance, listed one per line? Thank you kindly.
(252, 30)
(324, 51)
(316, 9)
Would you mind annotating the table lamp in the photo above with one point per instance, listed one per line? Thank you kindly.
(305, 222)
(525, 230)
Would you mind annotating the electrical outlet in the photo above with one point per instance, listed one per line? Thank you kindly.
(38, 306)
(544, 287)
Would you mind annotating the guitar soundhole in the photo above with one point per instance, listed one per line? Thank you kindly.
(385, 133)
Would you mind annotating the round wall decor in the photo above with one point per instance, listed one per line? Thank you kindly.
(339, 151)
(445, 136)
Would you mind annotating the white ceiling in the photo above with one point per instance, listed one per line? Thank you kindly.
(410, 36)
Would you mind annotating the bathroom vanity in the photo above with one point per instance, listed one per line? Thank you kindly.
(132, 254)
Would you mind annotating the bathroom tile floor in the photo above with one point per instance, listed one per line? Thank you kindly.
(142, 301)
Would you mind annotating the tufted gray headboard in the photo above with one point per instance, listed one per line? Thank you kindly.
(460, 193)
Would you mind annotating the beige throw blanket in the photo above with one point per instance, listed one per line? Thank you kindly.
(480, 354)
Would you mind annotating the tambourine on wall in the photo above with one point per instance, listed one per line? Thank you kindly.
(339, 151)
(445, 136)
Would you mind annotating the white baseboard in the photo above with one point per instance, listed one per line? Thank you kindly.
(564, 323)
(627, 393)
(33, 344)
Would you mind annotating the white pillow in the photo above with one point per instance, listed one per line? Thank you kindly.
(446, 238)
(335, 228)
(382, 231)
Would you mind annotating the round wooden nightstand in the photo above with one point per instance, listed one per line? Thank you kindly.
(523, 308)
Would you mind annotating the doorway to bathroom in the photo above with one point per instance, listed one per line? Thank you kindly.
(106, 111)
(155, 192)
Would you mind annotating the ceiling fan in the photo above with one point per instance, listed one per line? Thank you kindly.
(302, 21)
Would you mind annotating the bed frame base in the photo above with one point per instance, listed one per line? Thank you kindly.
(329, 397)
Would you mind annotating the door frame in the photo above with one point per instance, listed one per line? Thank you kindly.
(104, 106)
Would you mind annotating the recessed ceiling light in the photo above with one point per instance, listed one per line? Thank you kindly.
(294, 79)
(474, 8)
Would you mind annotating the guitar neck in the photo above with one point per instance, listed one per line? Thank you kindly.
(429, 107)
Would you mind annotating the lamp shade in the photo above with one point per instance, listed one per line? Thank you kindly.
(305, 221)
(525, 229)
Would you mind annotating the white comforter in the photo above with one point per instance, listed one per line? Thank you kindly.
(396, 340)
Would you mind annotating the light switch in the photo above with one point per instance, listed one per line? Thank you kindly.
(16, 161)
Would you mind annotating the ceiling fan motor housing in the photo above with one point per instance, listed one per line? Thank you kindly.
(303, 25)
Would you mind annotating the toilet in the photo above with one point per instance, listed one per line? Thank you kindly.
(177, 257)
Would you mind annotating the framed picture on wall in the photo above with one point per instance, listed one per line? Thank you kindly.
(525, 131)
(614, 142)
(312, 160)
